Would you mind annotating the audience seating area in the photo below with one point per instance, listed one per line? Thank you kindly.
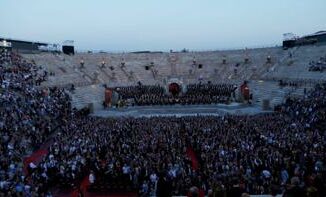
(28, 116)
(46, 145)
(319, 65)
(262, 154)
(296, 66)
(164, 65)
(233, 66)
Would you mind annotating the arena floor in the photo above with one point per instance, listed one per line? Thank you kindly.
(182, 110)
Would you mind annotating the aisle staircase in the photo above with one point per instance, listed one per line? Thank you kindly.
(83, 96)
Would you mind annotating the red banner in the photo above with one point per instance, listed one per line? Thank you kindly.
(108, 96)
(245, 91)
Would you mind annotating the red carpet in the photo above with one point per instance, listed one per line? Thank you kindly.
(83, 187)
(36, 157)
(191, 154)
(195, 165)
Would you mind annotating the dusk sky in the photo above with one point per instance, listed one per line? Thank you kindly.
(130, 25)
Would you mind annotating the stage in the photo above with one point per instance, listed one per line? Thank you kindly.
(181, 110)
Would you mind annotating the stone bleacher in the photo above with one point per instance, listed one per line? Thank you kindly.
(272, 91)
(297, 67)
(83, 96)
(67, 69)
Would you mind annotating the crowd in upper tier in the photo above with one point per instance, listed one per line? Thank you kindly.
(319, 65)
(282, 152)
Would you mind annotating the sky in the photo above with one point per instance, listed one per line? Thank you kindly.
(160, 25)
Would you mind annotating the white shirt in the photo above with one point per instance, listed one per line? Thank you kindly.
(126, 169)
(32, 165)
(91, 178)
(153, 178)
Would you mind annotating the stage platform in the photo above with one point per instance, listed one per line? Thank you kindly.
(181, 110)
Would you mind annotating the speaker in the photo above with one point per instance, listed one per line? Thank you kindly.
(266, 104)
(246, 61)
(91, 107)
(288, 44)
(69, 50)
(268, 59)
(146, 67)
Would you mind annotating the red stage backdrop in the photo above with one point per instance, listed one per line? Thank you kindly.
(245, 91)
(174, 88)
(108, 96)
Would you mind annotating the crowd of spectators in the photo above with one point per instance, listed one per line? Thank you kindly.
(28, 115)
(319, 65)
(310, 108)
(261, 154)
(281, 152)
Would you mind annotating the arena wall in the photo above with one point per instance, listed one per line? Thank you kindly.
(24, 46)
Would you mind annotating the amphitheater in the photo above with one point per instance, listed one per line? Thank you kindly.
(179, 123)
(262, 68)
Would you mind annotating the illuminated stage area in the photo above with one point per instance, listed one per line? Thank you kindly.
(182, 110)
